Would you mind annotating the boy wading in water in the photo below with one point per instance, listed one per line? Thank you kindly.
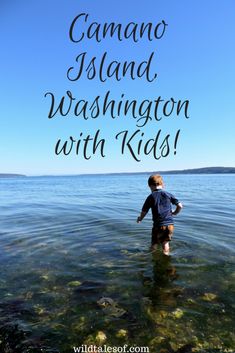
(160, 202)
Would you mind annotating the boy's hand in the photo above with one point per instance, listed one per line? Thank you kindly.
(179, 207)
(141, 216)
(139, 219)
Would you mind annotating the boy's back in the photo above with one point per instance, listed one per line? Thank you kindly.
(160, 202)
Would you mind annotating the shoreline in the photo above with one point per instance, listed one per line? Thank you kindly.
(193, 171)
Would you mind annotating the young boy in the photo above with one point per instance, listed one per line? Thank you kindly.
(160, 202)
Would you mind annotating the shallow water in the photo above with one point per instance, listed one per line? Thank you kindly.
(66, 242)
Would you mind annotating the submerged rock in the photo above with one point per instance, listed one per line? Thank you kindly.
(121, 333)
(97, 338)
(191, 301)
(110, 307)
(178, 313)
(100, 337)
(114, 311)
(209, 297)
(105, 301)
(74, 284)
(45, 277)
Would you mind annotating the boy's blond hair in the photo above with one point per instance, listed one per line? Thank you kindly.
(155, 180)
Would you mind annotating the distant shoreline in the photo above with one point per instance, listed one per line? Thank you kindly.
(206, 170)
(9, 175)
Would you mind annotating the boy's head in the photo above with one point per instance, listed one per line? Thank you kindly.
(155, 181)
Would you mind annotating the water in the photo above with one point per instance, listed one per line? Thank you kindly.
(66, 242)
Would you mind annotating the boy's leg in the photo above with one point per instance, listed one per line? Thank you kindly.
(168, 232)
(166, 248)
(155, 239)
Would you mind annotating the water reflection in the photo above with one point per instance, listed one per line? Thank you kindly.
(159, 287)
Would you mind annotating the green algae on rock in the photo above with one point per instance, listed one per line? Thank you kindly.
(122, 333)
(100, 337)
(74, 284)
(97, 338)
(177, 313)
(209, 297)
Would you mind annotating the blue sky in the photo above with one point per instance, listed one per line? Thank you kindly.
(194, 60)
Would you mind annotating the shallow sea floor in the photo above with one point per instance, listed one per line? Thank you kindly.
(76, 269)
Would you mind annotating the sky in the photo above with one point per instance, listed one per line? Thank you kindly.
(194, 61)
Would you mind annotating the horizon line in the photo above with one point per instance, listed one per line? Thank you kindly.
(172, 171)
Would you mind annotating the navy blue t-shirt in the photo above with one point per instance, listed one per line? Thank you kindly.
(160, 202)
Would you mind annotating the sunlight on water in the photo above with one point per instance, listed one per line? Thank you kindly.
(68, 242)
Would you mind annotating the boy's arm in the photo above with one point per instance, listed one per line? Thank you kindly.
(141, 216)
(145, 208)
(179, 207)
